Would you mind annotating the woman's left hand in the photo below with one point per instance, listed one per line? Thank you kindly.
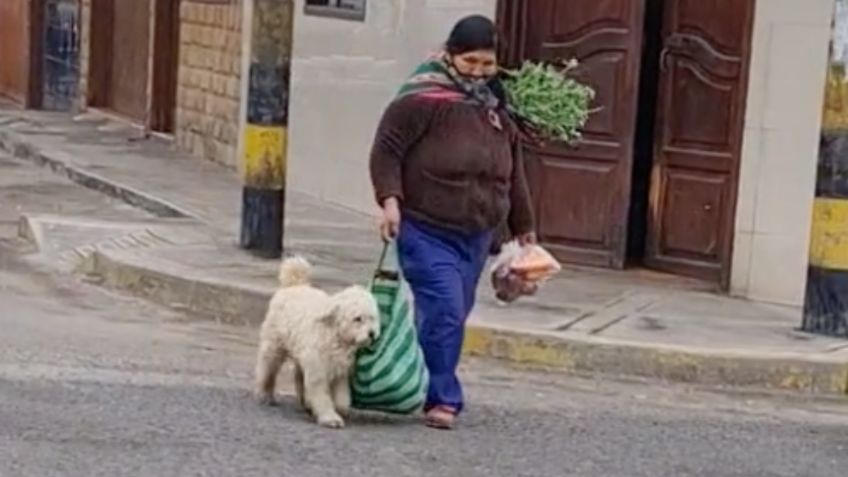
(527, 239)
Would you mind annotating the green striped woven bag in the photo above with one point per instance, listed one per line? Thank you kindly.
(390, 375)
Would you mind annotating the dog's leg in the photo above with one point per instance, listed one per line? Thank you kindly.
(341, 395)
(298, 387)
(317, 393)
(268, 363)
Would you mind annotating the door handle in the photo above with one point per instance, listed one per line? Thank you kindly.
(664, 58)
(674, 42)
(677, 40)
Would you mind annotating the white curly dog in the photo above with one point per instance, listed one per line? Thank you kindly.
(320, 333)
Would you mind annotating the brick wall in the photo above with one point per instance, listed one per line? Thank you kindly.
(209, 87)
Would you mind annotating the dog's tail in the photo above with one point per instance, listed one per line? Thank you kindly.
(295, 271)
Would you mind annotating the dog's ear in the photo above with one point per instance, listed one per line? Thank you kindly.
(329, 318)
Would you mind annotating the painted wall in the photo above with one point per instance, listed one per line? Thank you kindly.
(353, 69)
(826, 304)
(778, 168)
(836, 91)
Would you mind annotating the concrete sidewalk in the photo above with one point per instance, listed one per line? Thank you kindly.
(634, 323)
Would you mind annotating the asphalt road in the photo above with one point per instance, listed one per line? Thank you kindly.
(97, 384)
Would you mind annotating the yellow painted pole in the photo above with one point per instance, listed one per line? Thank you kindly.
(826, 304)
(265, 131)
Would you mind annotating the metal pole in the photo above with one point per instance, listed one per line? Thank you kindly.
(265, 131)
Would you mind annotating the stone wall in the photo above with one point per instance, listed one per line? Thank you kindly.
(209, 89)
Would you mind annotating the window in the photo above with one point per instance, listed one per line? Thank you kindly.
(347, 9)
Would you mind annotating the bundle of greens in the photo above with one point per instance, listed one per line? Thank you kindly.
(555, 105)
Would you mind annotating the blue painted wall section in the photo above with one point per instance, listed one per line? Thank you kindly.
(61, 55)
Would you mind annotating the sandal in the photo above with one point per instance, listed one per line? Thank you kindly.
(440, 417)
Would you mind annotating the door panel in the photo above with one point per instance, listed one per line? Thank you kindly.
(561, 178)
(694, 233)
(129, 58)
(700, 117)
(581, 192)
(14, 47)
(165, 66)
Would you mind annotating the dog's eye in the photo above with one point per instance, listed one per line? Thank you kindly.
(358, 319)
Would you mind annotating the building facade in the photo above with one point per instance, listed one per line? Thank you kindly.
(209, 91)
(168, 66)
(173, 67)
(701, 162)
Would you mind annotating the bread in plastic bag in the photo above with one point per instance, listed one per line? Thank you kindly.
(520, 270)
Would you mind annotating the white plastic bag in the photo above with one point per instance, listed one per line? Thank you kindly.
(519, 271)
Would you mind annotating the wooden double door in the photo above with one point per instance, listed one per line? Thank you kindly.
(654, 179)
(134, 59)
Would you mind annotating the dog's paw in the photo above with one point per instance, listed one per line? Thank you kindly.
(265, 399)
(333, 421)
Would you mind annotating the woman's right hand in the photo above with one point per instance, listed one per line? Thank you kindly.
(390, 221)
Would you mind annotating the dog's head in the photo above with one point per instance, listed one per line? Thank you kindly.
(356, 317)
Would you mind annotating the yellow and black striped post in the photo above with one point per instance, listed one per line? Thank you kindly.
(826, 308)
(265, 133)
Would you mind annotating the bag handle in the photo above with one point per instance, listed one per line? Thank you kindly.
(381, 272)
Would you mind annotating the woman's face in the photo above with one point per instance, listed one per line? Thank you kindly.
(476, 65)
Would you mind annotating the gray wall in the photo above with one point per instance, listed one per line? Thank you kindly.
(344, 74)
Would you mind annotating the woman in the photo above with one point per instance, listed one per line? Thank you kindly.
(446, 172)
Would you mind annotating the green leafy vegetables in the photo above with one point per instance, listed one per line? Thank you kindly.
(556, 105)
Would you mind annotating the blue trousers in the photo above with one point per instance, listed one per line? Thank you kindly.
(442, 268)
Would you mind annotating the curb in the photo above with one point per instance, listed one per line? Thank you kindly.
(221, 302)
(245, 306)
(21, 148)
(666, 364)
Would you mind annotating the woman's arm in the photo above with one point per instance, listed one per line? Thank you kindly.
(521, 221)
(403, 124)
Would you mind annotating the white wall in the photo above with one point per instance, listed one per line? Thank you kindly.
(780, 151)
(344, 73)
